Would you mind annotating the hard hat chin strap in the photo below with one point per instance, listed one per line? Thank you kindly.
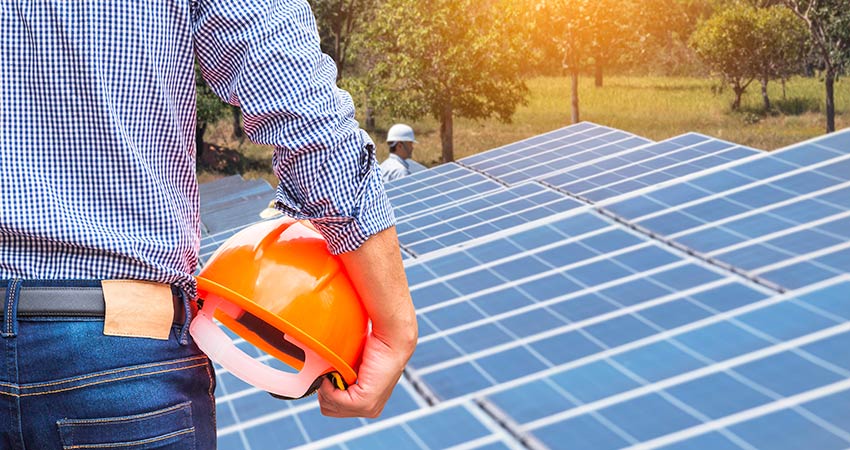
(221, 349)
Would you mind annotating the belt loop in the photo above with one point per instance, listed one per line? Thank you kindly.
(10, 308)
(187, 310)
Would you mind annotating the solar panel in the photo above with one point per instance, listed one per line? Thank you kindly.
(442, 172)
(436, 191)
(695, 297)
(227, 189)
(484, 159)
(769, 216)
(528, 304)
(647, 166)
(415, 167)
(480, 216)
(513, 165)
(251, 419)
(734, 378)
(232, 202)
(460, 426)
(236, 213)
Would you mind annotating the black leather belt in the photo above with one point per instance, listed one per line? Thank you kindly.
(68, 301)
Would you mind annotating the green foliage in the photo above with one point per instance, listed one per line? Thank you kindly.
(829, 27)
(663, 28)
(744, 43)
(338, 22)
(462, 55)
(210, 108)
(584, 31)
(728, 42)
(795, 106)
(783, 42)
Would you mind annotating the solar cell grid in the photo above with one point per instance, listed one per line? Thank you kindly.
(610, 258)
(766, 362)
(480, 216)
(509, 155)
(564, 158)
(515, 164)
(714, 222)
(653, 163)
(438, 173)
(437, 193)
(578, 332)
(415, 167)
(645, 175)
(773, 166)
(525, 143)
(235, 213)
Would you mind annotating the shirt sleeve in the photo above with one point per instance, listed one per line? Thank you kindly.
(264, 56)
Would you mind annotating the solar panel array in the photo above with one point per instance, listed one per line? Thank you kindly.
(589, 288)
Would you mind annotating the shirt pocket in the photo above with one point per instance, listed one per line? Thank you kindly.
(165, 429)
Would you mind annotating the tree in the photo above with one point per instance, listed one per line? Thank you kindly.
(728, 42)
(571, 35)
(446, 58)
(782, 48)
(829, 27)
(338, 21)
(584, 33)
(745, 43)
(613, 30)
(665, 26)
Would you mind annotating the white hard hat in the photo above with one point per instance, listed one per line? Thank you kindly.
(400, 133)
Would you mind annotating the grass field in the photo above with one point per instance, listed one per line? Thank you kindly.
(657, 108)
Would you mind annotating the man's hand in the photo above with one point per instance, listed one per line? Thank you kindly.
(378, 275)
(378, 375)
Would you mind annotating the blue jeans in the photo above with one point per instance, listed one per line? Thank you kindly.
(66, 385)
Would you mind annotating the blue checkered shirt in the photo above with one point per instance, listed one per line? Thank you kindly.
(98, 123)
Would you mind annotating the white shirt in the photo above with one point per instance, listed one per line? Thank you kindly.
(393, 168)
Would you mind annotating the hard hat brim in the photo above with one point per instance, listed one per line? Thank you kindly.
(206, 286)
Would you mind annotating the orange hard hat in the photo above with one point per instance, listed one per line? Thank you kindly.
(276, 285)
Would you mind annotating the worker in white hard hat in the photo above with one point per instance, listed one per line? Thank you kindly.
(400, 138)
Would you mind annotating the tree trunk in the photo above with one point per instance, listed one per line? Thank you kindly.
(830, 101)
(340, 66)
(783, 89)
(370, 118)
(200, 129)
(338, 57)
(598, 74)
(739, 91)
(574, 103)
(446, 130)
(238, 131)
(764, 94)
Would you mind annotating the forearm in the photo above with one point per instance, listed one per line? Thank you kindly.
(378, 274)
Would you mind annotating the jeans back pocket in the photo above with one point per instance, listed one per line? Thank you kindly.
(165, 429)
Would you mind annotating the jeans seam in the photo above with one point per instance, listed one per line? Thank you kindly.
(95, 383)
(187, 314)
(212, 395)
(158, 372)
(11, 293)
(128, 444)
(133, 418)
(108, 372)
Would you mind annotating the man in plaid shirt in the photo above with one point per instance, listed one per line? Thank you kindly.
(97, 149)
